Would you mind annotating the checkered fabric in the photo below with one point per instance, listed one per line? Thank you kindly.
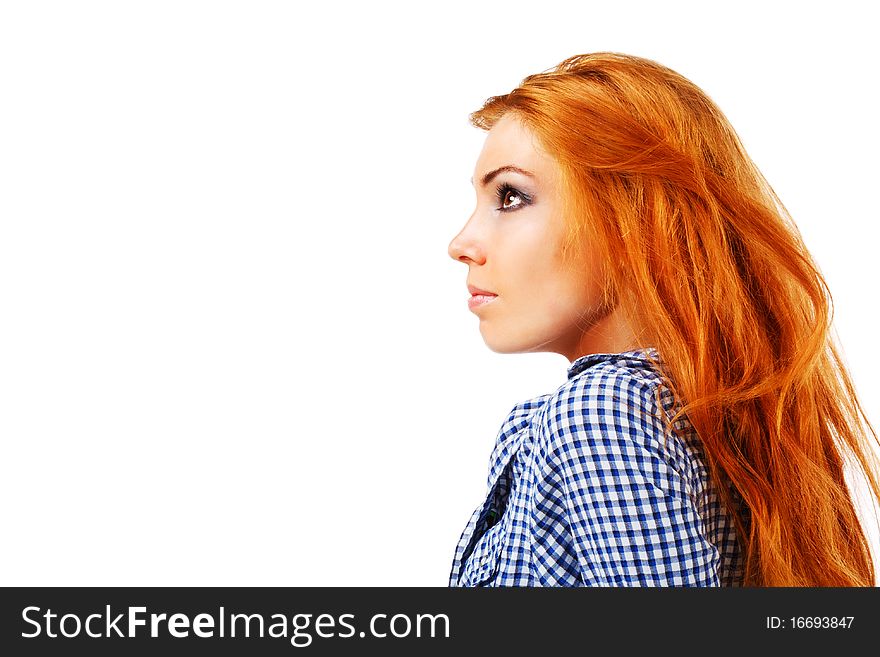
(585, 489)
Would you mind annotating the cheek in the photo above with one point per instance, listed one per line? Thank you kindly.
(544, 299)
(539, 280)
(565, 297)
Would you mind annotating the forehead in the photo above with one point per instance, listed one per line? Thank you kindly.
(511, 142)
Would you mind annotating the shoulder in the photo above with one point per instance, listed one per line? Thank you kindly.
(613, 390)
(523, 412)
(518, 421)
(512, 433)
(608, 419)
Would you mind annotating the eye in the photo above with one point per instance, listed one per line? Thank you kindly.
(508, 194)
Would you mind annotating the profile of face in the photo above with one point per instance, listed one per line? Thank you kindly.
(512, 245)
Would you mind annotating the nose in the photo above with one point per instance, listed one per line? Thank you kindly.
(465, 247)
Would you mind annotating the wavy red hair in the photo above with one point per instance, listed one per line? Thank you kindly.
(707, 262)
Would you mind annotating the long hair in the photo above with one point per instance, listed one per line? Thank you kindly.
(702, 256)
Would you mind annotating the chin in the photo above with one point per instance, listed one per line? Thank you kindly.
(496, 345)
(500, 345)
(502, 349)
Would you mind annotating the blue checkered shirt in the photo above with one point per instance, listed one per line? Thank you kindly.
(583, 491)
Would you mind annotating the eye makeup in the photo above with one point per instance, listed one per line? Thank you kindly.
(503, 190)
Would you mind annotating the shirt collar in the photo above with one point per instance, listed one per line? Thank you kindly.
(582, 363)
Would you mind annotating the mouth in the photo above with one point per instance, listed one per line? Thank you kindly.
(480, 300)
(476, 291)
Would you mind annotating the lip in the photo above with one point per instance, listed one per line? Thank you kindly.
(480, 300)
(473, 289)
(479, 297)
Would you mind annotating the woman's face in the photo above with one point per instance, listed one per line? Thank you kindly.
(512, 246)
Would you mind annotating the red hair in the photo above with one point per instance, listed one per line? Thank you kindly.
(706, 261)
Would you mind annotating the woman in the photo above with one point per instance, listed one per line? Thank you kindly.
(701, 435)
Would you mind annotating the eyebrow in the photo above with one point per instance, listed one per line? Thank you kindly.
(509, 167)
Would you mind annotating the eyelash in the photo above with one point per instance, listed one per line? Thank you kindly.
(503, 190)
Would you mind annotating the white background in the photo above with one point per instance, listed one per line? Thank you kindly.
(233, 349)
